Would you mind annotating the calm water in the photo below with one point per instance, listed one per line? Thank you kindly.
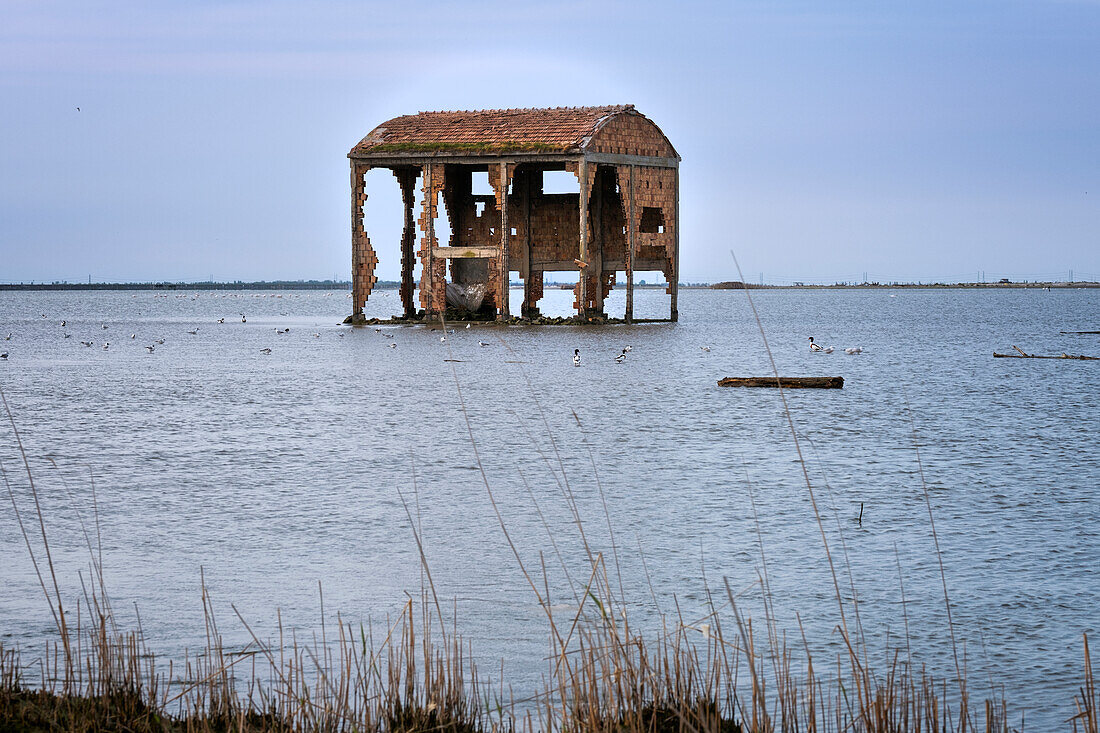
(274, 472)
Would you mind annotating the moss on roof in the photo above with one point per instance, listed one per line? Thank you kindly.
(473, 147)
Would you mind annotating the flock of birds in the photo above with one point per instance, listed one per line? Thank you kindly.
(619, 358)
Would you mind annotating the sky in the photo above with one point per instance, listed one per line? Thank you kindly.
(820, 140)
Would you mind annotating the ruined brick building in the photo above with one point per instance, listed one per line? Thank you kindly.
(625, 217)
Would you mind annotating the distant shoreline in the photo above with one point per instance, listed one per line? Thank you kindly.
(901, 286)
(393, 285)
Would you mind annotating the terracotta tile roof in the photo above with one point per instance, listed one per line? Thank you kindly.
(558, 129)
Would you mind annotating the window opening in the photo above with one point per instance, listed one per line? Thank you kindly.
(653, 220)
(560, 182)
(479, 185)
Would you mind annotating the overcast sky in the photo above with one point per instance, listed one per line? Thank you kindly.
(820, 140)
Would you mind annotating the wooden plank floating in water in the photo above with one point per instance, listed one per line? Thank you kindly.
(1079, 333)
(1024, 355)
(785, 382)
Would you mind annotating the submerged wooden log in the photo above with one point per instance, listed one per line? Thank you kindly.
(1021, 354)
(785, 382)
(1043, 356)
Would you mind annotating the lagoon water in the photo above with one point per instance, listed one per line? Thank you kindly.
(275, 472)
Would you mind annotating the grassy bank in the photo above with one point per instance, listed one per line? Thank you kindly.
(601, 677)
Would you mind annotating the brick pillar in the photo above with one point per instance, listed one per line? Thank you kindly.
(532, 290)
(581, 303)
(628, 205)
(406, 178)
(675, 314)
(433, 276)
(363, 257)
(504, 309)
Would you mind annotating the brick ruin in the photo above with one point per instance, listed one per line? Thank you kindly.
(624, 218)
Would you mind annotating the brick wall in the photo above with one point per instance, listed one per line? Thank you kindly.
(656, 188)
(631, 134)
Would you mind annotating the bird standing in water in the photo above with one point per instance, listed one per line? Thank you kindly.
(813, 346)
(576, 357)
(621, 357)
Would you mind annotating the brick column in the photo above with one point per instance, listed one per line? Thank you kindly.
(363, 258)
(406, 178)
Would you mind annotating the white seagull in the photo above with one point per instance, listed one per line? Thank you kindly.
(481, 343)
(854, 350)
(393, 345)
(705, 348)
(150, 348)
(265, 351)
